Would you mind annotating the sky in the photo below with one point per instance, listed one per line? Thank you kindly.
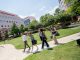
(25, 8)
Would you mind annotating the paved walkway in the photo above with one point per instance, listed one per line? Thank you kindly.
(9, 52)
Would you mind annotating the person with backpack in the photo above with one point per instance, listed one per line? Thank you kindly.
(33, 41)
(54, 34)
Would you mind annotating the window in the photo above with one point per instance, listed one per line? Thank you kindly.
(8, 25)
(5, 25)
(6, 21)
(1, 25)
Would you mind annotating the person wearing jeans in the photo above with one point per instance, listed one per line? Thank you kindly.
(43, 38)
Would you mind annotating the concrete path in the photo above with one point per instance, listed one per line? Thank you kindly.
(9, 52)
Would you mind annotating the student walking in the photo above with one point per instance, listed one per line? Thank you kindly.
(54, 33)
(33, 41)
(43, 38)
(24, 38)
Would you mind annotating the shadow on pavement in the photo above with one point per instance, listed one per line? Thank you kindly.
(2, 46)
(50, 49)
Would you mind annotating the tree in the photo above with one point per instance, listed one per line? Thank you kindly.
(22, 28)
(39, 25)
(26, 29)
(69, 1)
(57, 11)
(63, 18)
(33, 24)
(14, 30)
(47, 20)
(74, 7)
(6, 34)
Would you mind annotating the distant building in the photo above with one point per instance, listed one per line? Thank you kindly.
(26, 22)
(31, 18)
(63, 5)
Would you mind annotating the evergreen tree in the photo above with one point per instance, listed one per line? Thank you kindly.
(22, 28)
(14, 30)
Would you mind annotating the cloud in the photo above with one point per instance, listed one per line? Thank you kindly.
(42, 8)
(33, 14)
(21, 16)
(53, 10)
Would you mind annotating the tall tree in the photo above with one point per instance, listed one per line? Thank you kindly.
(57, 11)
(22, 28)
(74, 8)
(14, 30)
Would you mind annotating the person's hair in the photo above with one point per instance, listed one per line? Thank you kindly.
(41, 30)
(30, 33)
(53, 28)
(23, 33)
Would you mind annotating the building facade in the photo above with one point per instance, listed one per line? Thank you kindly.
(63, 5)
(26, 22)
(31, 18)
(7, 19)
(28, 19)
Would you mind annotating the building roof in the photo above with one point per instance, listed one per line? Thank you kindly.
(7, 13)
(30, 17)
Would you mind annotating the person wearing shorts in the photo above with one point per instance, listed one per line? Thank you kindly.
(33, 41)
(53, 31)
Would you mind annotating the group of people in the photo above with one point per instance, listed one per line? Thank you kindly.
(42, 37)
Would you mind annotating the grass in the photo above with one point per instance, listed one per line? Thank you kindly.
(67, 51)
(18, 43)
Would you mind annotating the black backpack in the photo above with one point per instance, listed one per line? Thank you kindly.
(78, 41)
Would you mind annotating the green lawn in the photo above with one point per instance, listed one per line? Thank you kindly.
(67, 51)
(18, 43)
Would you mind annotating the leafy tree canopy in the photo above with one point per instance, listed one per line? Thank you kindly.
(47, 20)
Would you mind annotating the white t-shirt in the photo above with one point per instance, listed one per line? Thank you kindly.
(24, 38)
